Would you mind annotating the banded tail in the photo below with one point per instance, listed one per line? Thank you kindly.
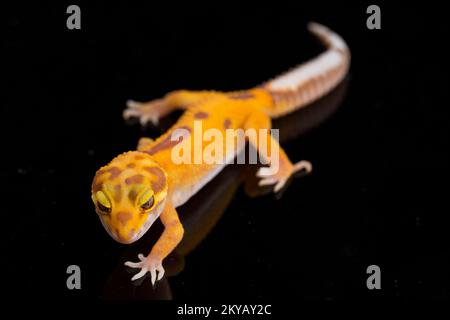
(311, 80)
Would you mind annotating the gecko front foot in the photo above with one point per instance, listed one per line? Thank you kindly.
(150, 264)
(145, 111)
(282, 175)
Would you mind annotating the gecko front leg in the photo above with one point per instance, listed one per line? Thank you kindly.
(277, 173)
(156, 109)
(172, 235)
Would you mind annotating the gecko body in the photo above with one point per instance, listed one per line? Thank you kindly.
(136, 188)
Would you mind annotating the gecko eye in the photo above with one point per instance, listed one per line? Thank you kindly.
(147, 205)
(103, 209)
(102, 202)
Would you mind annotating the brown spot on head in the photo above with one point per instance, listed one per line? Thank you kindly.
(98, 179)
(123, 217)
(132, 195)
(160, 182)
(137, 178)
(139, 157)
(241, 96)
(115, 172)
(227, 123)
(131, 165)
(117, 193)
(201, 115)
(96, 186)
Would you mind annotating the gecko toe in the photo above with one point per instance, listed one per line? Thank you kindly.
(133, 264)
(264, 172)
(144, 119)
(141, 257)
(140, 274)
(133, 104)
(160, 272)
(303, 166)
(279, 186)
(267, 181)
(129, 113)
(153, 275)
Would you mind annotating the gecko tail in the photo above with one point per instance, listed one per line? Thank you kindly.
(313, 79)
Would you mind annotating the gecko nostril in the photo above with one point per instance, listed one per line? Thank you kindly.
(123, 217)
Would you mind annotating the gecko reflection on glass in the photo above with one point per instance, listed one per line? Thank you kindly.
(138, 187)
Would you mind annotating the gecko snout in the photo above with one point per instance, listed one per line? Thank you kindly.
(124, 236)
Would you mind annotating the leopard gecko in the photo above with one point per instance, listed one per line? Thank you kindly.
(137, 187)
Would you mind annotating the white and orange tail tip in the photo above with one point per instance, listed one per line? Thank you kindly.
(313, 79)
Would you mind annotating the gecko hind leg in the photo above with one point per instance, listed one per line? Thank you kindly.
(280, 171)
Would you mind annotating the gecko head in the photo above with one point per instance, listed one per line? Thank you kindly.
(129, 194)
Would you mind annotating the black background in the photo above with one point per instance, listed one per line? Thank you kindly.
(378, 195)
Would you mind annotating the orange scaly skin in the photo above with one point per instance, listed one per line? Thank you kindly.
(138, 187)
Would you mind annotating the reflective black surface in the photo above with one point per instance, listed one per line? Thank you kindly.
(379, 145)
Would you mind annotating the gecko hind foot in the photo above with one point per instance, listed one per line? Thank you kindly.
(280, 178)
(147, 264)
